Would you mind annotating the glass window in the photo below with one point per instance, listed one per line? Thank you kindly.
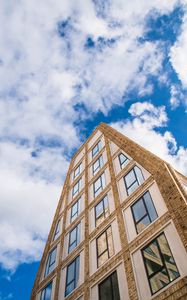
(57, 230)
(74, 238)
(143, 212)
(99, 184)
(97, 165)
(78, 170)
(109, 289)
(96, 149)
(133, 179)
(105, 248)
(72, 276)
(75, 210)
(50, 265)
(46, 292)
(76, 187)
(159, 264)
(101, 211)
(123, 160)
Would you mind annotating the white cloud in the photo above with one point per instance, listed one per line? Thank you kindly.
(142, 129)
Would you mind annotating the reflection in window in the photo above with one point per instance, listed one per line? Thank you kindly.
(50, 265)
(99, 184)
(97, 165)
(46, 292)
(143, 212)
(105, 248)
(72, 276)
(133, 179)
(96, 149)
(109, 289)
(77, 187)
(78, 170)
(74, 238)
(101, 211)
(75, 210)
(123, 160)
(57, 230)
(159, 263)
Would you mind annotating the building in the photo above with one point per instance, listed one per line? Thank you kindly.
(120, 228)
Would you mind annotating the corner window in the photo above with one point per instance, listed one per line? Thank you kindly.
(159, 263)
(72, 276)
(75, 210)
(99, 184)
(77, 187)
(57, 230)
(123, 160)
(143, 212)
(46, 292)
(109, 289)
(74, 238)
(133, 179)
(50, 265)
(105, 248)
(97, 165)
(101, 211)
(78, 170)
(96, 149)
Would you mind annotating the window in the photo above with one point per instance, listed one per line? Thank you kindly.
(184, 184)
(143, 212)
(123, 160)
(75, 210)
(133, 179)
(99, 184)
(77, 171)
(96, 149)
(159, 263)
(97, 165)
(50, 265)
(57, 230)
(105, 248)
(109, 289)
(74, 238)
(77, 187)
(72, 276)
(101, 211)
(46, 292)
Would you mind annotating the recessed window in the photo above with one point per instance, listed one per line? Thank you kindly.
(57, 230)
(105, 248)
(101, 211)
(99, 184)
(75, 210)
(96, 149)
(97, 165)
(123, 160)
(133, 179)
(159, 263)
(50, 265)
(78, 170)
(72, 276)
(109, 289)
(74, 238)
(46, 292)
(77, 187)
(143, 212)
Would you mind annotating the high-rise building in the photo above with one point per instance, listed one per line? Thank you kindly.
(120, 228)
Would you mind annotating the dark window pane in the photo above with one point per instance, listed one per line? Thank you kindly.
(123, 160)
(159, 280)
(139, 210)
(150, 207)
(143, 223)
(133, 187)
(99, 209)
(130, 178)
(46, 292)
(71, 272)
(109, 289)
(139, 174)
(153, 262)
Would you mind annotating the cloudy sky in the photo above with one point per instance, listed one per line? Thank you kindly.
(65, 66)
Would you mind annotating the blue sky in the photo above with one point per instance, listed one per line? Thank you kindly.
(66, 66)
